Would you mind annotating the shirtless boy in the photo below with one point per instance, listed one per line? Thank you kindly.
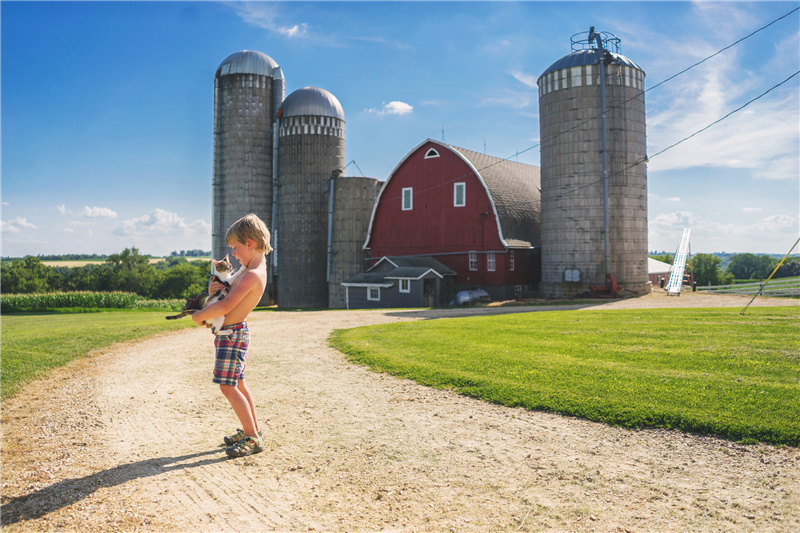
(248, 238)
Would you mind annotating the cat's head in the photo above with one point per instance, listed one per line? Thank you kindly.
(223, 266)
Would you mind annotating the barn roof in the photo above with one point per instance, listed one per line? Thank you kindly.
(515, 191)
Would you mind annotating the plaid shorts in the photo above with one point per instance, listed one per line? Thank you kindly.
(231, 354)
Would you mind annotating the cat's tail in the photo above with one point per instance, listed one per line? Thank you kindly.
(181, 315)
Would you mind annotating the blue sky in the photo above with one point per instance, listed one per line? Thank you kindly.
(107, 107)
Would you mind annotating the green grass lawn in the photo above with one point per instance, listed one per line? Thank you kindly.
(34, 344)
(710, 371)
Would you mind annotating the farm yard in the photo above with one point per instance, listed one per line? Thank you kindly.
(128, 439)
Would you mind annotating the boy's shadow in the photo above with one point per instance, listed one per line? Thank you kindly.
(64, 493)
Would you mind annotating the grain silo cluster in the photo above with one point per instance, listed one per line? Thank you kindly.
(284, 159)
(280, 158)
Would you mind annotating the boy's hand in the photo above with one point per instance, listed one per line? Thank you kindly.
(215, 286)
(197, 319)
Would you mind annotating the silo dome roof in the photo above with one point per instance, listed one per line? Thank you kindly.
(587, 57)
(248, 62)
(312, 101)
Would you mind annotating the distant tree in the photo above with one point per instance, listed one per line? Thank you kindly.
(751, 266)
(788, 269)
(182, 281)
(666, 258)
(130, 272)
(28, 276)
(705, 270)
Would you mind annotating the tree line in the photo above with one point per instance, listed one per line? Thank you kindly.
(705, 268)
(128, 271)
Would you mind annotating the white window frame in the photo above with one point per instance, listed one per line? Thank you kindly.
(405, 285)
(409, 191)
(431, 153)
(511, 260)
(473, 260)
(369, 294)
(491, 262)
(462, 186)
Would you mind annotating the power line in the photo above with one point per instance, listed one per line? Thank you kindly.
(500, 160)
(646, 159)
(660, 83)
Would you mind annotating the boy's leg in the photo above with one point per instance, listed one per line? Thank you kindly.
(241, 407)
(245, 390)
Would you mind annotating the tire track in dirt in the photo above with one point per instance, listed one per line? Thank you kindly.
(131, 439)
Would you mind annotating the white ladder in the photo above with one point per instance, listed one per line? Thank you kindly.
(679, 264)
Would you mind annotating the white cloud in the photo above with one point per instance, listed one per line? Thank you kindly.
(393, 108)
(762, 137)
(710, 235)
(96, 212)
(752, 209)
(672, 199)
(525, 79)
(16, 225)
(161, 222)
(62, 209)
(265, 16)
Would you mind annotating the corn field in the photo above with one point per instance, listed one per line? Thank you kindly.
(11, 303)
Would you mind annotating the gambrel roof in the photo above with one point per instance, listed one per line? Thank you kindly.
(513, 188)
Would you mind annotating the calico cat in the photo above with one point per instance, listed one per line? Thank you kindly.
(221, 271)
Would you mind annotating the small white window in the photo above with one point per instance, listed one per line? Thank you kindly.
(491, 262)
(431, 153)
(459, 194)
(408, 198)
(374, 294)
(405, 285)
(511, 260)
(473, 261)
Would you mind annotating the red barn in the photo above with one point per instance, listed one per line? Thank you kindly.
(476, 214)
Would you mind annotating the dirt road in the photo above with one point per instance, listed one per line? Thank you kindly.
(130, 439)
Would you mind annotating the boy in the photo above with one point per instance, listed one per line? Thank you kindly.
(248, 238)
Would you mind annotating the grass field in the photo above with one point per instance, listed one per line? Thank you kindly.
(34, 344)
(709, 371)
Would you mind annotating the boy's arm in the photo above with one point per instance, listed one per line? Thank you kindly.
(247, 283)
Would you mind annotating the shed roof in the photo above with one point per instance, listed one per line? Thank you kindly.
(398, 267)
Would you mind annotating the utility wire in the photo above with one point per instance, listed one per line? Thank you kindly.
(578, 125)
(646, 159)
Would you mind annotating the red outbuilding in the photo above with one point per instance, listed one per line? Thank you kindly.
(476, 214)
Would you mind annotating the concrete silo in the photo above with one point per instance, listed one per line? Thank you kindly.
(351, 208)
(594, 175)
(311, 141)
(248, 91)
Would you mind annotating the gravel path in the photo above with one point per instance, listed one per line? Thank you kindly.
(130, 439)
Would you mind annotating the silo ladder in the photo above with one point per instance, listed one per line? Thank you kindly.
(679, 264)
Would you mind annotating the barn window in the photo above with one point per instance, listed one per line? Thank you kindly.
(405, 285)
(511, 260)
(473, 261)
(408, 198)
(491, 262)
(459, 194)
(431, 153)
(374, 294)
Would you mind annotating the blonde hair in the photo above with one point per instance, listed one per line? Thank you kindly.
(250, 227)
